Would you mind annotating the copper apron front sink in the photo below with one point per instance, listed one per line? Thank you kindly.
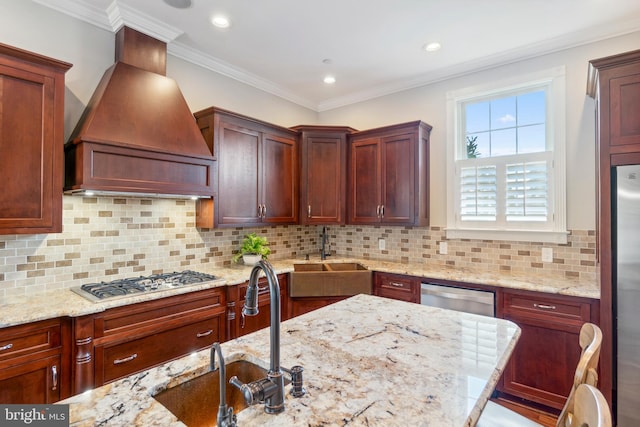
(195, 402)
(329, 279)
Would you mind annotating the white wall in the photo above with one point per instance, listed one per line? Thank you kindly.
(203, 88)
(428, 103)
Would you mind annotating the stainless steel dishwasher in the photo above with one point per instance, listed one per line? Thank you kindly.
(460, 299)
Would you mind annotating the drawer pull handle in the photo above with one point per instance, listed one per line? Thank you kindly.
(396, 284)
(309, 211)
(6, 346)
(125, 360)
(544, 306)
(204, 334)
(54, 377)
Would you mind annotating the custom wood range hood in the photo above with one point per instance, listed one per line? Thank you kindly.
(137, 135)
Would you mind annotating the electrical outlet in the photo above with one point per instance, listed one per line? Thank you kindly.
(443, 248)
(381, 244)
(547, 254)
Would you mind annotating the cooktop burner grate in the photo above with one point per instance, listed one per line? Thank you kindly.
(134, 285)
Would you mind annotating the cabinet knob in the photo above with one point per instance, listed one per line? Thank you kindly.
(125, 359)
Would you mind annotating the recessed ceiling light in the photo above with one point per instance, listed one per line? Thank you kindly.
(432, 47)
(179, 4)
(221, 21)
(329, 80)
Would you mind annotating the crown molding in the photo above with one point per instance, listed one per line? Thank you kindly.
(209, 62)
(114, 17)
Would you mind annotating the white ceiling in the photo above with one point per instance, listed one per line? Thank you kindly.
(375, 46)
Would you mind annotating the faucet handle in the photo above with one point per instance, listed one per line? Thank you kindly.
(297, 389)
(256, 391)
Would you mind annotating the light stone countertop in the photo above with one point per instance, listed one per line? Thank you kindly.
(17, 310)
(368, 361)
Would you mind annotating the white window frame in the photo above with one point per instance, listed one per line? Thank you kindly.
(552, 231)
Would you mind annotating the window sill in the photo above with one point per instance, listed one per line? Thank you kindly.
(558, 237)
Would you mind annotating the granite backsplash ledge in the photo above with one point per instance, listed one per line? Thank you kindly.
(105, 238)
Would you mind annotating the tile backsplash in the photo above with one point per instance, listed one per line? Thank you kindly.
(107, 238)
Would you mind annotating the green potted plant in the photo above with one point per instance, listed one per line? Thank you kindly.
(253, 249)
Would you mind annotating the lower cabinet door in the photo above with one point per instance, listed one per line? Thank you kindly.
(35, 382)
(543, 363)
(120, 359)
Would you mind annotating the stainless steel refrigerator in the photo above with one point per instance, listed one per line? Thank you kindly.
(626, 232)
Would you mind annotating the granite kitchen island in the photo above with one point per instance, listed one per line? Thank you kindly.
(368, 361)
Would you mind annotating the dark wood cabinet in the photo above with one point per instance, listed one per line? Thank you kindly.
(389, 175)
(128, 339)
(256, 171)
(544, 361)
(31, 142)
(615, 84)
(323, 174)
(397, 286)
(34, 363)
(302, 305)
(238, 325)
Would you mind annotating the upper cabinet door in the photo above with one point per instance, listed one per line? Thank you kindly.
(31, 142)
(389, 175)
(239, 169)
(280, 179)
(323, 174)
(364, 183)
(624, 107)
(615, 82)
(398, 175)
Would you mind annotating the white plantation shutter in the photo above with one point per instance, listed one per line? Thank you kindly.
(527, 191)
(478, 193)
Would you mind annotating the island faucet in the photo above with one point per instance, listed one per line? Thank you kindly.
(226, 418)
(269, 390)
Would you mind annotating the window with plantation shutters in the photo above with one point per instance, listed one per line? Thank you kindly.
(506, 162)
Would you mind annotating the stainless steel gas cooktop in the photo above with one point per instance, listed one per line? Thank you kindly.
(102, 291)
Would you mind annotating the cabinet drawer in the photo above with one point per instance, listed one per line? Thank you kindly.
(28, 339)
(115, 361)
(546, 307)
(150, 314)
(396, 286)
